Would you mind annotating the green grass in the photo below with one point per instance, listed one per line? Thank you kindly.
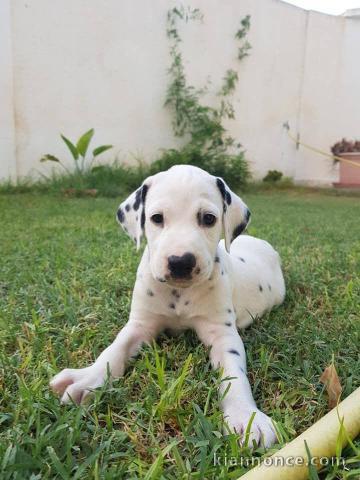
(66, 278)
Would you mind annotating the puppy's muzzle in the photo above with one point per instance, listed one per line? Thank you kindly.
(181, 267)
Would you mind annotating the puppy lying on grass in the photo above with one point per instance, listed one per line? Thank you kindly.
(187, 279)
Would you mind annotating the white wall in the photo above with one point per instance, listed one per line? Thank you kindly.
(8, 167)
(68, 65)
(330, 103)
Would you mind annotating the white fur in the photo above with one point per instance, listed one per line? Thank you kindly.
(228, 291)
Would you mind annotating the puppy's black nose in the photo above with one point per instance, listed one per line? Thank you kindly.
(181, 267)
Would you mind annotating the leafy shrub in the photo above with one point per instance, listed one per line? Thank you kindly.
(210, 146)
(108, 180)
(78, 152)
(273, 176)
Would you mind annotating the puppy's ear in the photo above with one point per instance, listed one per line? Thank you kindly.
(236, 215)
(131, 213)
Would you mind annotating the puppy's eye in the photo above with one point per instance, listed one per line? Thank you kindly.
(157, 218)
(208, 219)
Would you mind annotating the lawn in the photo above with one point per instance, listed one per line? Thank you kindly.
(66, 276)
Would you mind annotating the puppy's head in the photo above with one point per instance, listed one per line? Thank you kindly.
(182, 213)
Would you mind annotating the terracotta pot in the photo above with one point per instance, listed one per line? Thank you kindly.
(349, 173)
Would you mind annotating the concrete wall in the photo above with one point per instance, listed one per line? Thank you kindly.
(8, 168)
(68, 65)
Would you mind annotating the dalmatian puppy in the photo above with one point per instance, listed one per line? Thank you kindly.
(187, 279)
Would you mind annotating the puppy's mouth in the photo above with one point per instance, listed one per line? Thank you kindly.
(179, 282)
(194, 277)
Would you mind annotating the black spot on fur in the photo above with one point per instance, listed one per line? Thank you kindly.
(221, 186)
(238, 230)
(242, 226)
(120, 215)
(260, 288)
(137, 199)
(172, 305)
(229, 310)
(222, 272)
(127, 207)
(144, 191)
(234, 352)
(149, 292)
(217, 259)
(240, 258)
(142, 221)
(228, 197)
(228, 324)
(187, 302)
(224, 193)
(175, 293)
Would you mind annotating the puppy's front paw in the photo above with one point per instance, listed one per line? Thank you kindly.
(76, 384)
(261, 432)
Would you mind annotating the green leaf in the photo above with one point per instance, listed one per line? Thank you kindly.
(83, 142)
(59, 468)
(91, 459)
(71, 147)
(101, 149)
(48, 157)
(313, 475)
(156, 468)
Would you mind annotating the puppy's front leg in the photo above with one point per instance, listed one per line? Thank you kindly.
(76, 384)
(228, 353)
